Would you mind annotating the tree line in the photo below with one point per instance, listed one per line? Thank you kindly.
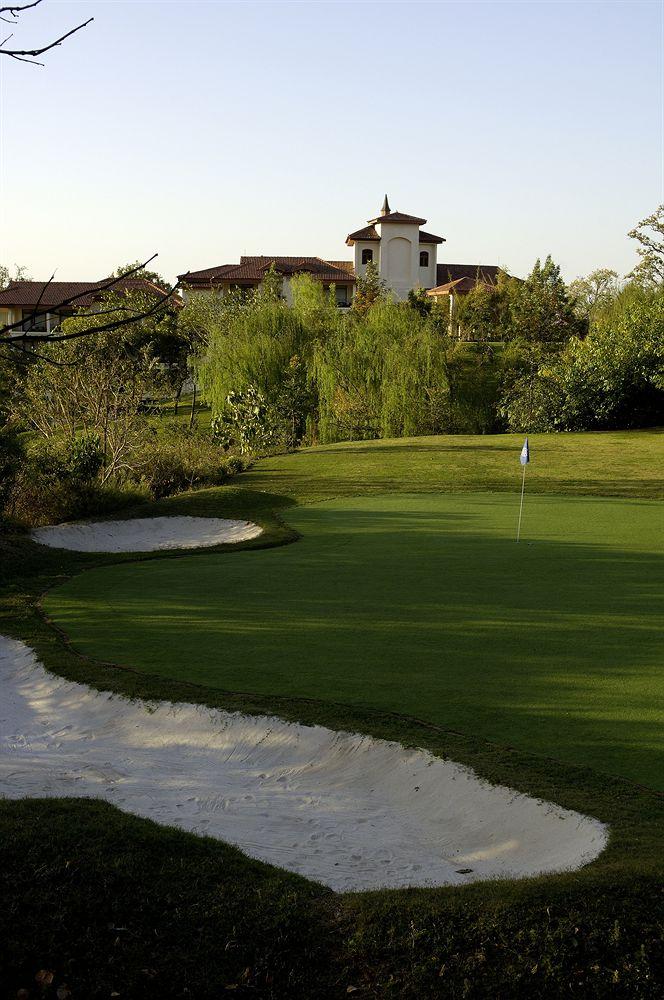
(81, 418)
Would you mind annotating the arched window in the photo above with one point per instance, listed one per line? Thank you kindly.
(367, 255)
(424, 258)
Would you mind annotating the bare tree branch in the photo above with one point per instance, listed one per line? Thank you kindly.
(21, 338)
(29, 55)
(103, 286)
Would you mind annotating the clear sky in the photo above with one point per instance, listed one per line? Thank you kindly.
(206, 130)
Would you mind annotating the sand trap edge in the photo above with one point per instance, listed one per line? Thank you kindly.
(146, 534)
(351, 811)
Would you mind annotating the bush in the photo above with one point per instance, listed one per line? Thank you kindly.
(183, 459)
(613, 379)
(56, 480)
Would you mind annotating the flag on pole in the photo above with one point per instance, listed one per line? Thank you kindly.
(524, 458)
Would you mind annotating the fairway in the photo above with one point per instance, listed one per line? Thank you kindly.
(419, 604)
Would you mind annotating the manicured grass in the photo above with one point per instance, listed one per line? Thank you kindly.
(116, 905)
(424, 605)
(623, 464)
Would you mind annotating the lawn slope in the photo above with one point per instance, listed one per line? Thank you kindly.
(421, 604)
(112, 905)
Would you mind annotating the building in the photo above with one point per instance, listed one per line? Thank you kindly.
(404, 254)
(56, 300)
(249, 273)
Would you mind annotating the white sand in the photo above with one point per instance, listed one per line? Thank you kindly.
(350, 811)
(146, 534)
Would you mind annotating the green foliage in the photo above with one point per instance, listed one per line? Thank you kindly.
(248, 422)
(420, 301)
(594, 292)
(484, 314)
(381, 373)
(541, 309)
(253, 368)
(271, 287)
(56, 479)
(183, 459)
(649, 234)
(613, 378)
(144, 272)
(20, 273)
(369, 289)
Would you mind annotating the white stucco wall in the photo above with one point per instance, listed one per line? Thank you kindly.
(400, 263)
(360, 268)
(427, 275)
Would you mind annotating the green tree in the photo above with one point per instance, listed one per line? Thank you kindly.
(612, 379)
(381, 373)
(541, 308)
(369, 289)
(649, 234)
(257, 355)
(6, 277)
(594, 292)
(420, 301)
(143, 272)
(82, 389)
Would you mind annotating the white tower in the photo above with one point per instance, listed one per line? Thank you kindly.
(403, 253)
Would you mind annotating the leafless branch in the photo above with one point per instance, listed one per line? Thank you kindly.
(103, 286)
(21, 338)
(29, 55)
(15, 9)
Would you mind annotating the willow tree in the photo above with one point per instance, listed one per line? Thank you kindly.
(257, 358)
(381, 374)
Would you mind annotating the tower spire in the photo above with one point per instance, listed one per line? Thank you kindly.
(385, 210)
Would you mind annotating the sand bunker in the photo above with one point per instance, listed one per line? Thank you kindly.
(347, 810)
(146, 534)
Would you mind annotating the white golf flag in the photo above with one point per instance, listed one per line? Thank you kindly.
(525, 453)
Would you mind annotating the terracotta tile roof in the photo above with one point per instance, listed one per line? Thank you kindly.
(207, 275)
(25, 294)
(252, 270)
(459, 285)
(487, 273)
(398, 217)
(368, 233)
(344, 265)
(430, 238)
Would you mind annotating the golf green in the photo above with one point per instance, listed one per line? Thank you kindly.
(424, 605)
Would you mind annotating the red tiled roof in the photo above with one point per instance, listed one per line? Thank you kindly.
(26, 294)
(370, 232)
(459, 285)
(252, 270)
(488, 273)
(430, 238)
(398, 217)
(344, 265)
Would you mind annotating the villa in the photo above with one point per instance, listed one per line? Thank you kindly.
(41, 306)
(404, 254)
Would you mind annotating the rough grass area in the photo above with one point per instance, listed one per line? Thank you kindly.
(110, 904)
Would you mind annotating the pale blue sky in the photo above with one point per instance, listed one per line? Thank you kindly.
(205, 130)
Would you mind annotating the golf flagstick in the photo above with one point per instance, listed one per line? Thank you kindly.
(524, 458)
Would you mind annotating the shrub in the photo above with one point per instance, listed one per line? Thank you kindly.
(57, 480)
(183, 459)
(612, 379)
